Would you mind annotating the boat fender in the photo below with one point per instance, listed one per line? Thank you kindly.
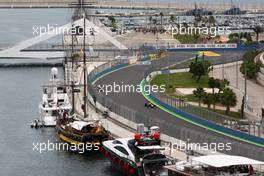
(106, 155)
(126, 167)
(102, 150)
(131, 171)
(114, 160)
(137, 136)
(121, 162)
(156, 136)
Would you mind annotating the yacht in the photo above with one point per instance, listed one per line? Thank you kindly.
(138, 156)
(54, 99)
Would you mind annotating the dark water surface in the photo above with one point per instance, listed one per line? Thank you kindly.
(20, 93)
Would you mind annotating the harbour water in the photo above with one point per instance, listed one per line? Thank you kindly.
(20, 93)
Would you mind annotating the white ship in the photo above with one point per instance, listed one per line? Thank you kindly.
(54, 99)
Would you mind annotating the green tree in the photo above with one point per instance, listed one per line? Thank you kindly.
(199, 69)
(249, 66)
(248, 37)
(198, 18)
(258, 30)
(222, 85)
(228, 99)
(214, 83)
(172, 18)
(199, 93)
(208, 100)
(234, 38)
(250, 55)
(111, 18)
(161, 20)
(113, 21)
(150, 19)
(250, 69)
(211, 20)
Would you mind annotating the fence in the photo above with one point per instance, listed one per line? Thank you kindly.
(179, 132)
(226, 121)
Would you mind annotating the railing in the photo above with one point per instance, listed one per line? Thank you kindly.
(251, 128)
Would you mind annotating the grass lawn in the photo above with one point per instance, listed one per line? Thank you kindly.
(185, 80)
(180, 80)
(188, 39)
(236, 115)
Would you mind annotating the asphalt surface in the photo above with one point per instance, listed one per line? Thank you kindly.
(133, 76)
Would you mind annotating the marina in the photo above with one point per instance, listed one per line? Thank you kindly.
(87, 99)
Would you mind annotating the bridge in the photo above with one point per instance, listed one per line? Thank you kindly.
(17, 50)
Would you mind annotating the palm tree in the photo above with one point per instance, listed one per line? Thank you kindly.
(199, 93)
(113, 21)
(228, 99)
(222, 85)
(212, 83)
(154, 21)
(161, 20)
(198, 18)
(150, 19)
(211, 20)
(172, 18)
(257, 30)
(208, 100)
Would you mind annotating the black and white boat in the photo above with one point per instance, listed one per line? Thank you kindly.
(138, 156)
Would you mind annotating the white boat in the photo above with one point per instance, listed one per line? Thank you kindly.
(54, 99)
(138, 156)
(216, 165)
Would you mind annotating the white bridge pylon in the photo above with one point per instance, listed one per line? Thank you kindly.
(17, 50)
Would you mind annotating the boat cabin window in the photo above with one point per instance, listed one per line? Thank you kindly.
(55, 113)
(122, 150)
(117, 142)
(60, 88)
(60, 100)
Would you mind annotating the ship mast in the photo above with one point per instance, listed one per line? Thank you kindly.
(84, 70)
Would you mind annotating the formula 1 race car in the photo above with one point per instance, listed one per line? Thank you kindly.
(149, 105)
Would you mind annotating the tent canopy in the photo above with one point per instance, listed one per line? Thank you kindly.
(226, 160)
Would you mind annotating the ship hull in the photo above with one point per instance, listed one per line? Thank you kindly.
(91, 142)
(123, 165)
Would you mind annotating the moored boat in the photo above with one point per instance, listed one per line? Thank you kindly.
(74, 131)
(216, 165)
(54, 99)
(138, 156)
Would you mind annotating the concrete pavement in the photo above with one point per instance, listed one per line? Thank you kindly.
(255, 92)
